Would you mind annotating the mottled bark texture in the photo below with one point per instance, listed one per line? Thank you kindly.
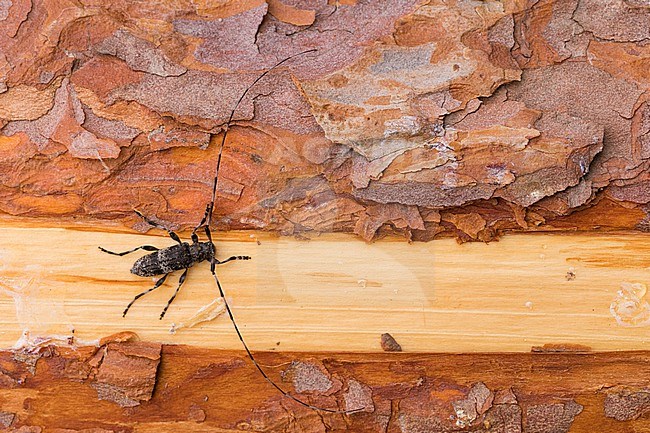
(425, 118)
(56, 389)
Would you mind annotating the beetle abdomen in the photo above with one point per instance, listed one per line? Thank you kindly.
(164, 261)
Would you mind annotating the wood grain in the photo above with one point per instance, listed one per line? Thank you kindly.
(333, 292)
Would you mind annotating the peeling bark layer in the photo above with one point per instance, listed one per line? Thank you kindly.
(198, 389)
(425, 119)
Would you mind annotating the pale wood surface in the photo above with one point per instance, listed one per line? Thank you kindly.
(331, 293)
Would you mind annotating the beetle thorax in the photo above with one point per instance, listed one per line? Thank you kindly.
(202, 251)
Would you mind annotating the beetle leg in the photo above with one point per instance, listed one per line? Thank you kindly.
(158, 284)
(143, 247)
(172, 235)
(221, 262)
(180, 283)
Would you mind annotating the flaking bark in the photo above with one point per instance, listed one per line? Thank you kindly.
(489, 117)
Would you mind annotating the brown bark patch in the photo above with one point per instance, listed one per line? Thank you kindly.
(127, 374)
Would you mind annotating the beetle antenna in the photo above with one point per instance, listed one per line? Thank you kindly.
(215, 183)
(207, 220)
(261, 370)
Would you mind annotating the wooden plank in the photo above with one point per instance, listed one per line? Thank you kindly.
(334, 292)
(207, 390)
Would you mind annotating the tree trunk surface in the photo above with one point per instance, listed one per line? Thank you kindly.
(387, 125)
(427, 120)
(77, 388)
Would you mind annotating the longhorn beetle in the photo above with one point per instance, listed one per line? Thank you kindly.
(185, 255)
(167, 260)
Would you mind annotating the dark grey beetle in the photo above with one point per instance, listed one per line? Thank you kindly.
(167, 260)
(174, 258)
